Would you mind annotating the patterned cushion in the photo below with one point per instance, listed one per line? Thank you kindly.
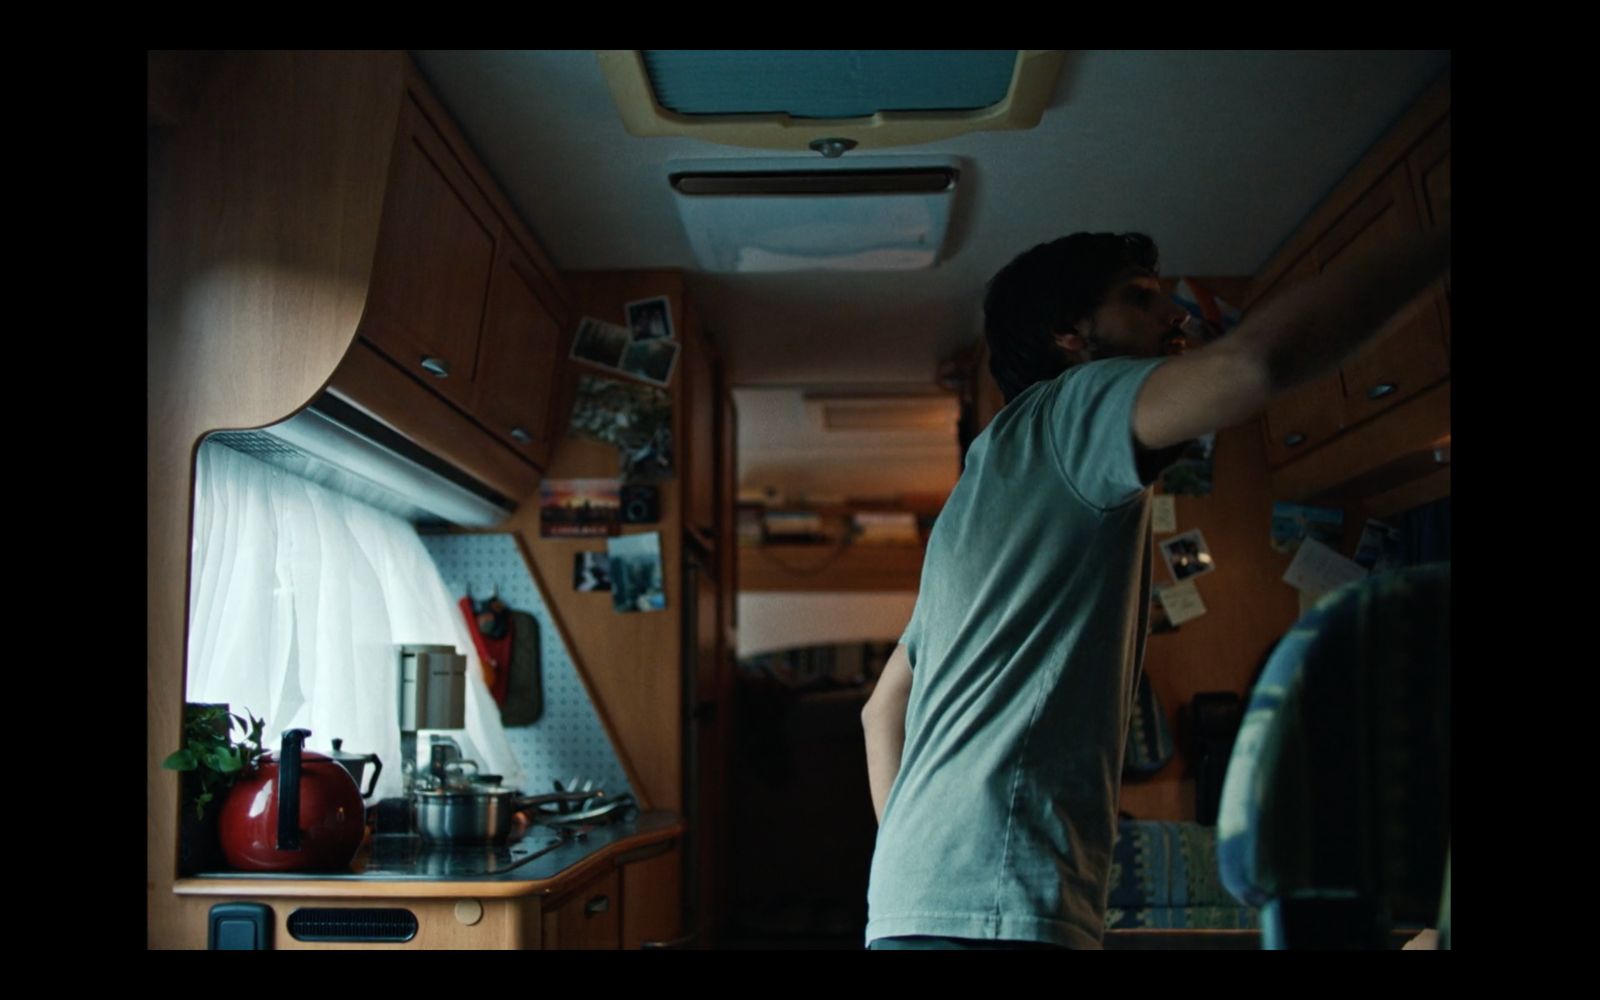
(1164, 875)
(1339, 781)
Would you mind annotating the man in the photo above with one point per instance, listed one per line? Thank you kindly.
(996, 732)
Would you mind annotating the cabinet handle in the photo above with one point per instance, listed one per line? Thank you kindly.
(520, 436)
(1294, 440)
(599, 904)
(1381, 390)
(437, 367)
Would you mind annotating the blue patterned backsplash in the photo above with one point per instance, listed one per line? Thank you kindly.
(567, 741)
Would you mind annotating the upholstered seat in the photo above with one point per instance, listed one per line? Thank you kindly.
(1335, 816)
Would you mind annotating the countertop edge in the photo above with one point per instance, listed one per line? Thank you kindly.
(315, 888)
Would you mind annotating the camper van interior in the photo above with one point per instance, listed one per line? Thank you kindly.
(544, 449)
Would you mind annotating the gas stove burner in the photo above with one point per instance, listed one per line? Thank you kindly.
(592, 812)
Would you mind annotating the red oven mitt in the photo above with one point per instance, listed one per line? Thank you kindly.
(490, 627)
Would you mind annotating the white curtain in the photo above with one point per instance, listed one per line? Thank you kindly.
(298, 598)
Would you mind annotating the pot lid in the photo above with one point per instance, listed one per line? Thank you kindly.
(474, 792)
(339, 753)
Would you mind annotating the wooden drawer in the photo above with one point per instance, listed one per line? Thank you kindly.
(590, 918)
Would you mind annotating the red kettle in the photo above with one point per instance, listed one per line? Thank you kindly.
(297, 811)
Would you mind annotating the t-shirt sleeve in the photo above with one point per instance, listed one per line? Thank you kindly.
(1090, 416)
(911, 637)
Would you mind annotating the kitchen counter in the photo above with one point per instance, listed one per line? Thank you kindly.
(541, 862)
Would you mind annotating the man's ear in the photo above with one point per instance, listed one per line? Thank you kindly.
(1071, 340)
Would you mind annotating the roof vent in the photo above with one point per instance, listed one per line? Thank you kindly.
(789, 99)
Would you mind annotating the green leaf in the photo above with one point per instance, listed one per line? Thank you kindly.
(180, 760)
(226, 761)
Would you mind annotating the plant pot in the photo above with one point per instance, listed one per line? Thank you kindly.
(199, 843)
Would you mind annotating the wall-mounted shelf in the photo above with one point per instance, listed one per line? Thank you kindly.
(850, 567)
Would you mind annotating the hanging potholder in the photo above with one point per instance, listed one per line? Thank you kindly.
(524, 701)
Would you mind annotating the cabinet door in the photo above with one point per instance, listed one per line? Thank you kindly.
(590, 918)
(1429, 163)
(436, 249)
(519, 356)
(1312, 413)
(1408, 354)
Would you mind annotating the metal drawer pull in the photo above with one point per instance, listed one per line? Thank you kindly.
(520, 436)
(599, 904)
(1294, 440)
(1381, 390)
(437, 367)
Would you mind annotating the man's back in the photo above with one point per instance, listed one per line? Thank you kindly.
(1025, 646)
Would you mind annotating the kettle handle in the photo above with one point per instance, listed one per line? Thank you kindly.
(289, 789)
(377, 769)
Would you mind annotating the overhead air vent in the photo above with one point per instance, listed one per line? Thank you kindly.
(753, 215)
(828, 100)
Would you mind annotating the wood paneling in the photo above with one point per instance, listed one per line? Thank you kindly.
(698, 370)
(632, 663)
(652, 891)
(1248, 607)
(259, 260)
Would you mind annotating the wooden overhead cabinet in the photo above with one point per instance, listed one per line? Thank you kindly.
(461, 299)
(1380, 426)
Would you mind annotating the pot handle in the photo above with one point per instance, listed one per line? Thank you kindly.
(531, 801)
(289, 789)
(377, 768)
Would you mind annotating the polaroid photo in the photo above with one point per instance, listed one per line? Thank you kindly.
(636, 577)
(1381, 548)
(650, 319)
(651, 360)
(580, 508)
(599, 343)
(1186, 555)
(591, 571)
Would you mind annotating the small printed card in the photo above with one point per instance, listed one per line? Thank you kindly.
(1317, 569)
(1164, 515)
(1182, 601)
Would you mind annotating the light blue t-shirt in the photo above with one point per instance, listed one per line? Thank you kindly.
(1025, 647)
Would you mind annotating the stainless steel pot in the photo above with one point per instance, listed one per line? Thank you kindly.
(480, 814)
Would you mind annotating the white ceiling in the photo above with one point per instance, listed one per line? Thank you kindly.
(1217, 155)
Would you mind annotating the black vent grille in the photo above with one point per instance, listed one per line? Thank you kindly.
(255, 444)
(346, 924)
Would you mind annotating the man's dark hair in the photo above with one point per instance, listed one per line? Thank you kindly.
(1044, 292)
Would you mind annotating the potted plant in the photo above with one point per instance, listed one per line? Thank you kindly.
(209, 761)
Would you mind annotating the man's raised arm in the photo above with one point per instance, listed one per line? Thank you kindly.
(1306, 332)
